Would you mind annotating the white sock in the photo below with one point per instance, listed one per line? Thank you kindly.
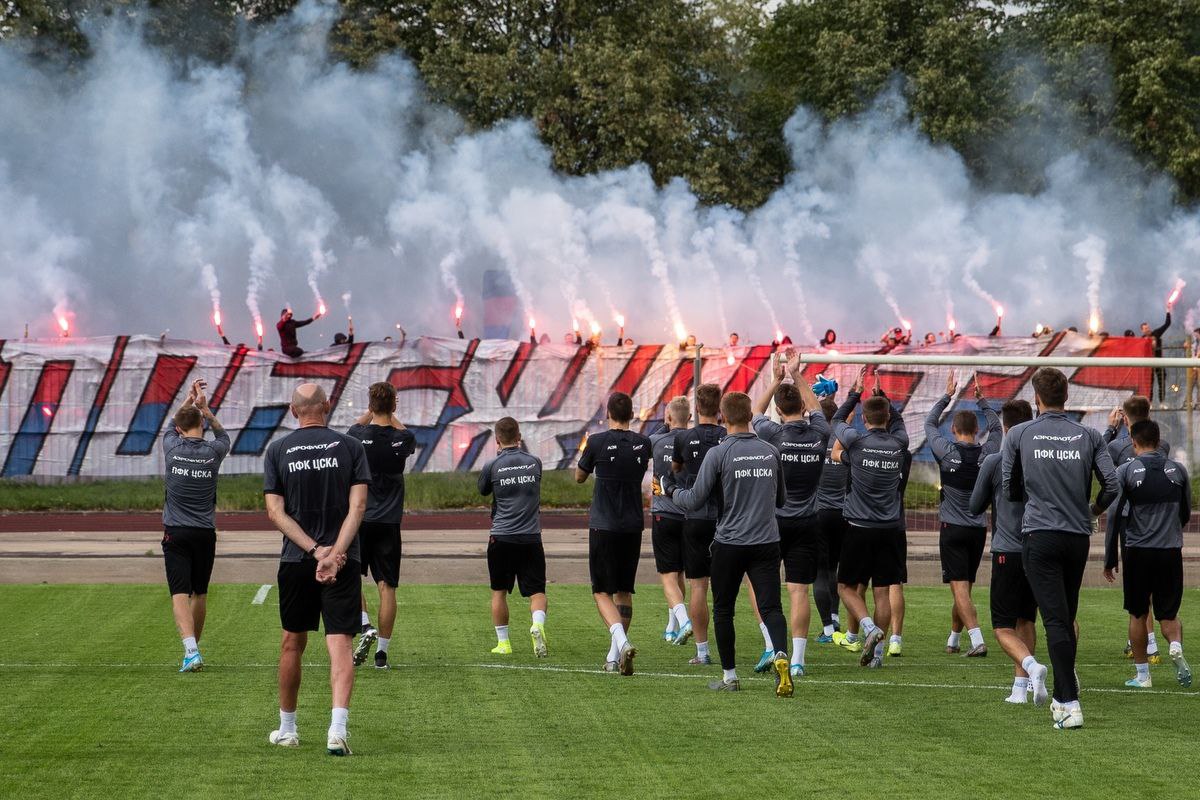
(701, 649)
(851, 637)
(672, 625)
(954, 639)
(1029, 663)
(619, 639)
(798, 646)
(730, 675)
(827, 630)
(613, 654)
(866, 625)
(1020, 685)
(1072, 705)
(762, 626)
(836, 620)
(337, 722)
(1176, 647)
(381, 644)
(189, 646)
(501, 633)
(539, 617)
(895, 639)
(976, 637)
(287, 721)
(1143, 671)
(365, 619)
(1151, 645)
(679, 612)
(879, 650)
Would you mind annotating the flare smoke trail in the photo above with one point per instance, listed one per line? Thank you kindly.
(346, 300)
(1091, 251)
(392, 192)
(209, 275)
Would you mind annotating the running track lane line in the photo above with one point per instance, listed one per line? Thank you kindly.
(261, 595)
(589, 671)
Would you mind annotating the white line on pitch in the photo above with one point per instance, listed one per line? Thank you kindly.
(261, 595)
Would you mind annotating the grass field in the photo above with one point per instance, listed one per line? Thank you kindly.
(93, 708)
(424, 491)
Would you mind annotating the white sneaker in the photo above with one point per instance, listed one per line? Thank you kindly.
(1072, 718)
(337, 745)
(1183, 673)
(1139, 683)
(1037, 684)
(288, 739)
(1058, 712)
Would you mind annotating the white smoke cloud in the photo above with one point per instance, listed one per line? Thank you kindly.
(283, 174)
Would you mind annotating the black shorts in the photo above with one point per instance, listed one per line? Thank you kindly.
(697, 547)
(613, 560)
(304, 603)
(900, 548)
(799, 546)
(1153, 573)
(522, 563)
(188, 554)
(961, 549)
(872, 555)
(833, 530)
(1011, 597)
(666, 533)
(380, 544)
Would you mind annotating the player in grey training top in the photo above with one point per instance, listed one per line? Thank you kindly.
(801, 439)
(1154, 505)
(1014, 609)
(746, 474)
(189, 516)
(666, 525)
(1050, 463)
(515, 555)
(963, 534)
(1120, 447)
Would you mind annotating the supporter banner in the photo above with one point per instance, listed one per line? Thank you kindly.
(97, 407)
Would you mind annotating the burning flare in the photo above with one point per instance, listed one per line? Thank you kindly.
(321, 308)
(778, 335)
(532, 323)
(595, 328)
(999, 312)
(458, 313)
(680, 332)
(1179, 284)
(217, 317)
(620, 318)
(258, 328)
(1094, 323)
(950, 324)
(907, 325)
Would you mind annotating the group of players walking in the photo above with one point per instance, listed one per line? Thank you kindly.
(730, 503)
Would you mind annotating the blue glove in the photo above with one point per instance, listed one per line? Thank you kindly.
(825, 387)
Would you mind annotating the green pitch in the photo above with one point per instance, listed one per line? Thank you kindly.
(92, 707)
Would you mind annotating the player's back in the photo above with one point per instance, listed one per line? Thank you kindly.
(876, 463)
(691, 446)
(387, 451)
(190, 478)
(514, 479)
(618, 458)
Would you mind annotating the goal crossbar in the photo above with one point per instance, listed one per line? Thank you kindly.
(983, 360)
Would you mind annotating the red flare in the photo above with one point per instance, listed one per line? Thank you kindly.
(950, 323)
(532, 323)
(458, 313)
(258, 328)
(595, 328)
(47, 411)
(778, 335)
(907, 325)
(1094, 323)
(574, 324)
(1175, 293)
(680, 332)
(999, 312)
(217, 317)
(620, 318)
(321, 308)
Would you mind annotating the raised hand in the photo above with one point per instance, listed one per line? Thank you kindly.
(978, 388)
(1114, 418)
(952, 383)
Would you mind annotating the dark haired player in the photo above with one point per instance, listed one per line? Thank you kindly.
(1154, 505)
(666, 520)
(699, 524)
(963, 534)
(189, 516)
(747, 474)
(1014, 610)
(619, 458)
(388, 444)
(315, 485)
(874, 543)
(515, 555)
(1049, 463)
(801, 441)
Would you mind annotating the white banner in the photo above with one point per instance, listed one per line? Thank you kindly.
(97, 407)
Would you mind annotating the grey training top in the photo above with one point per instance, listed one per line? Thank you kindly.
(835, 477)
(514, 480)
(959, 463)
(191, 478)
(1050, 462)
(1006, 514)
(744, 475)
(1155, 504)
(876, 462)
(1120, 448)
(801, 445)
(662, 444)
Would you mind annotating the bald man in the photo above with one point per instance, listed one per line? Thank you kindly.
(315, 483)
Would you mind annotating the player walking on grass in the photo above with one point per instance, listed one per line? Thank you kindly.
(1120, 448)
(515, 555)
(619, 458)
(871, 551)
(747, 474)
(801, 441)
(1049, 463)
(189, 516)
(700, 524)
(315, 484)
(388, 445)
(666, 526)
(831, 496)
(963, 534)
(1014, 610)
(1155, 503)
